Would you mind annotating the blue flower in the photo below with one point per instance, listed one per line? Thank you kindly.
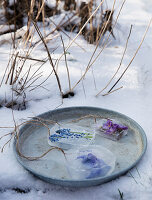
(54, 138)
(89, 159)
(96, 172)
(64, 132)
(97, 166)
(67, 133)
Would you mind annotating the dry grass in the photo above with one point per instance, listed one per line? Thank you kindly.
(138, 48)
(89, 26)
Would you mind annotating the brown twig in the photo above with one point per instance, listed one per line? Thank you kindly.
(106, 40)
(119, 64)
(37, 157)
(33, 59)
(89, 65)
(88, 116)
(105, 44)
(12, 70)
(81, 30)
(58, 27)
(50, 59)
(132, 57)
(112, 91)
(2, 150)
(66, 64)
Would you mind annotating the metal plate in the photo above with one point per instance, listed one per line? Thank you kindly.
(33, 141)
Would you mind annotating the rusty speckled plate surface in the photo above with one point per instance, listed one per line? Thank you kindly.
(33, 141)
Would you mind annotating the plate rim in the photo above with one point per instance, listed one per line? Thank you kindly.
(97, 179)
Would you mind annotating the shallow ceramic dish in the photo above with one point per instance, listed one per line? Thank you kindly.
(33, 141)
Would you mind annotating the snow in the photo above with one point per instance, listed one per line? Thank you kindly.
(133, 100)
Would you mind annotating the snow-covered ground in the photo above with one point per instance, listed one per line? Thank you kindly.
(134, 100)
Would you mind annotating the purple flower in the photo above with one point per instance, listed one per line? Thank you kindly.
(97, 166)
(111, 128)
(89, 159)
(96, 172)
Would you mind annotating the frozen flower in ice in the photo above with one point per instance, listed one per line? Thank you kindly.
(54, 138)
(109, 127)
(97, 166)
(64, 132)
(67, 134)
(89, 159)
(96, 172)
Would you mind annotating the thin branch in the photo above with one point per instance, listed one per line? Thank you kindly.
(67, 35)
(89, 65)
(6, 144)
(81, 30)
(119, 64)
(66, 64)
(133, 56)
(56, 28)
(36, 19)
(50, 59)
(33, 59)
(106, 40)
(112, 91)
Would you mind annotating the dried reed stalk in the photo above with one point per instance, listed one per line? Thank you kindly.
(56, 28)
(60, 28)
(112, 91)
(49, 56)
(80, 30)
(66, 64)
(119, 64)
(106, 39)
(148, 26)
(36, 19)
(88, 66)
